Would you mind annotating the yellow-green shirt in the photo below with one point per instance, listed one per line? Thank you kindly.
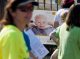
(69, 47)
(12, 44)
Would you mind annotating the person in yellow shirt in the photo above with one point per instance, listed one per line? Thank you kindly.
(12, 44)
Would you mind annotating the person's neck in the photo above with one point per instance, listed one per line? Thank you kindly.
(20, 26)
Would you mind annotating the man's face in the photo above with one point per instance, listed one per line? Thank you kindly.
(23, 14)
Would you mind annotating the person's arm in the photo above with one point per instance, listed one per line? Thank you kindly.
(56, 40)
(32, 55)
(54, 54)
(57, 18)
(56, 24)
(55, 35)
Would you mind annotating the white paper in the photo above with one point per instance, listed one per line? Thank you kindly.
(46, 40)
(37, 47)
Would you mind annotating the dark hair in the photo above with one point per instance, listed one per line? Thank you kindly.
(8, 17)
(67, 3)
(2, 8)
(73, 17)
(12, 7)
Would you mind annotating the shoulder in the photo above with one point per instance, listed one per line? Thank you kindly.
(76, 29)
(10, 31)
(59, 11)
(58, 15)
(62, 10)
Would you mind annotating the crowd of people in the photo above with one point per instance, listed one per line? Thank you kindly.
(15, 17)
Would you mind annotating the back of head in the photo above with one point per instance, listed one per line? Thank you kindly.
(73, 17)
(66, 3)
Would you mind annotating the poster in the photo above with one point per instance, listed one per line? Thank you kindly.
(37, 47)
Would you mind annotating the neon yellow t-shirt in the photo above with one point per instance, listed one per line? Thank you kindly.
(12, 44)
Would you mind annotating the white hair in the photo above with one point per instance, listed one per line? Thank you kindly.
(42, 16)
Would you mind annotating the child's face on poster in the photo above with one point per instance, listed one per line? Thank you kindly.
(40, 22)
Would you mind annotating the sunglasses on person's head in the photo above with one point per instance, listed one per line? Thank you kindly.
(26, 9)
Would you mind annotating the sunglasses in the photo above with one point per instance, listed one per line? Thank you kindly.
(26, 9)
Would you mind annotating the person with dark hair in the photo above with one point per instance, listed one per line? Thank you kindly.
(17, 16)
(55, 53)
(68, 35)
(65, 5)
(78, 1)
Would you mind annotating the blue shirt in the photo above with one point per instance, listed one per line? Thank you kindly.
(27, 41)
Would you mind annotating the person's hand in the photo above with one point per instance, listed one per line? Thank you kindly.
(53, 37)
(56, 24)
(35, 57)
(31, 25)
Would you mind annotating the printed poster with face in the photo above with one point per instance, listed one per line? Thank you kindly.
(37, 47)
